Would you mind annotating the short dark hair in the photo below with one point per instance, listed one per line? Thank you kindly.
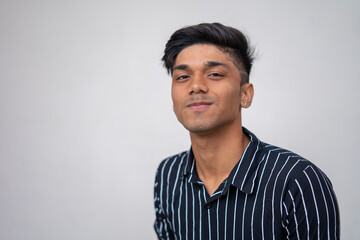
(228, 39)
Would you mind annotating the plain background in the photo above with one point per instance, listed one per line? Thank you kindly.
(86, 114)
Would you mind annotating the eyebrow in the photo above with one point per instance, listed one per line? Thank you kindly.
(206, 64)
(215, 63)
(180, 67)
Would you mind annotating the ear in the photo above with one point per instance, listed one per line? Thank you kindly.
(247, 94)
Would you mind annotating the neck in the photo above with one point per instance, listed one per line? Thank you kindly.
(217, 153)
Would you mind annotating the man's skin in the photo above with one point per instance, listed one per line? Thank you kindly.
(208, 93)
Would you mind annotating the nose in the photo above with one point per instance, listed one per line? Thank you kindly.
(198, 85)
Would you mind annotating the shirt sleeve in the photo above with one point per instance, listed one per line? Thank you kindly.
(310, 209)
(161, 225)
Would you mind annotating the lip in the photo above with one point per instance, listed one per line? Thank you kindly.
(199, 105)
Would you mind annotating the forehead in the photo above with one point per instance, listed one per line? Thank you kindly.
(200, 53)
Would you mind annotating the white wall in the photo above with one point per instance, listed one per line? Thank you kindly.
(85, 108)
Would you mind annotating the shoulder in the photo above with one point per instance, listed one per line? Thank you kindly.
(172, 166)
(280, 157)
(173, 161)
(289, 165)
(306, 200)
(295, 177)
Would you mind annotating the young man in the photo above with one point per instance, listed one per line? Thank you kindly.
(230, 185)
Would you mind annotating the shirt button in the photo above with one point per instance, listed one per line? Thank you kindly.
(208, 205)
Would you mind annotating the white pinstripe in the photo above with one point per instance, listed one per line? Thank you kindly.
(162, 181)
(243, 219)
(204, 191)
(332, 200)
(257, 194)
(200, 217)
(161, 192)
(168, 185)
(315, 203)
(193, 208)
(217, 219)
(273, 194)
(226, 211)
(264, 196)
(306, 213)
(252, 161)
(235, 205)
(285, 182)
(179, 208)
(294, 207)
(242, 158)
(173, 195)
(186, 211)
(326, 207)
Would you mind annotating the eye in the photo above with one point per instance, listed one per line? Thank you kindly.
(216, 75)
(182, 77)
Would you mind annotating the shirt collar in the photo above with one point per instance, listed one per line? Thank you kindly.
(190, 169)
(244, 173)
(189, 162)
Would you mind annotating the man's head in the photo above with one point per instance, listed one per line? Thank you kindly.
(227, 39)
(209, 65)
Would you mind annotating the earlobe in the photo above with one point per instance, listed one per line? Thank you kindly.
(247, 94)
(245, 104)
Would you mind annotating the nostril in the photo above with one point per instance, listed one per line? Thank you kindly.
(198, 86)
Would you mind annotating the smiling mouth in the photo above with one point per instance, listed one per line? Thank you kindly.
(198, 105)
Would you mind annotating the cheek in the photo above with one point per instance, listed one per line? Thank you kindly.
(232, 103)
(177, 100)
(232, 95)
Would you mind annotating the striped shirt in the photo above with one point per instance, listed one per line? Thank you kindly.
(271, 193)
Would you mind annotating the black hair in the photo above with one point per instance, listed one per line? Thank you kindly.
(228, 39)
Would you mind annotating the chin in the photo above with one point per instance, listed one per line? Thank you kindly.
(199, 127)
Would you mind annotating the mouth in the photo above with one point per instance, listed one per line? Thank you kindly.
(199, 105)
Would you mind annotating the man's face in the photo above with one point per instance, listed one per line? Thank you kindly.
(206, 89)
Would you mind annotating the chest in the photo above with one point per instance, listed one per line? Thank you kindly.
(227, 214)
